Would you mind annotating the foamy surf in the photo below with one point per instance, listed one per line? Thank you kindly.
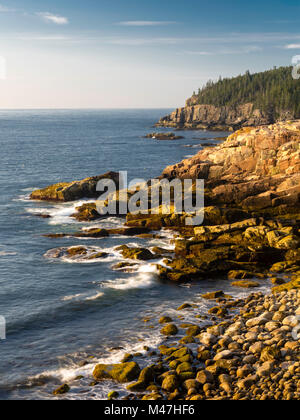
(71, 370)
(95, 297)
(144, 278)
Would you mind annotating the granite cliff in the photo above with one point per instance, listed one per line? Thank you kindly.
(245, 100)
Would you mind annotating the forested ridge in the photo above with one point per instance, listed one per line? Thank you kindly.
(273, 92)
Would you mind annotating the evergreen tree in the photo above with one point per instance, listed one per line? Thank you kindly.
(273, 92)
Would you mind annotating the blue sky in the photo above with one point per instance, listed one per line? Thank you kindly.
(118, 54)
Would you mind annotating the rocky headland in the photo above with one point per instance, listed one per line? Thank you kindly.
(250, 349)
(210, 117)
(242, 101)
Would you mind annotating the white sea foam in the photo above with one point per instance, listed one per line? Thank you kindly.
(59, 213)
(144, 278)
(71, 297)
(96, 296)
(7, 253)
(72, 370)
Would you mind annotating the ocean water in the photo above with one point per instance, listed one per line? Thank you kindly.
(64, 316)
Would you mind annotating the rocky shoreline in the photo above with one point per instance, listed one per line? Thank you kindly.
(251, 231)
(253, 354)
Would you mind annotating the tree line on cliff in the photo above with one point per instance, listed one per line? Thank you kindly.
(273, 92)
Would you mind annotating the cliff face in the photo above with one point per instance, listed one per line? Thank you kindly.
(217, 118)
(257, 167)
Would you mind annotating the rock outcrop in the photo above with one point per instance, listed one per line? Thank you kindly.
(210, 117)
(256, 168)
(76, 190)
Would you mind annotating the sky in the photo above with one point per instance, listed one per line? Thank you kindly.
(136, 53)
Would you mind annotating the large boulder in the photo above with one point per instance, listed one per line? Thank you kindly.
(122, 372)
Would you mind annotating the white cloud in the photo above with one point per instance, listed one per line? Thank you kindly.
(49, 17)
(146, 23)
(292, 47)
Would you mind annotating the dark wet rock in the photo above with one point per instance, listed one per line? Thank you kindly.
(77, 253)
(127, 267)
(213, 295)
(136, 253)
(134, 231)
(184, 306)
(163, 136)
(87, 213)
(112, 395)
(165, 320)
(63, 389)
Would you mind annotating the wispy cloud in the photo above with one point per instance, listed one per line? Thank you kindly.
(50, 17)
(143, 41)
(146, 23)
(252, 39)
(204, 53)
(292, 47)
(4, 9)
(36, 37)
(227, 51)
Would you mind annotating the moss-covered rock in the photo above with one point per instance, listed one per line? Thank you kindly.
(135, 253)
(184, 367)
(184, 306)
(152, 397)
(165, 320)
(213, 295)
(76, 250)
(86, 213)
(92, 233)
(193, 331)
(63, 389)
(112, 395)
(245, 284)
(170, 383)
(122, 372)
(169, 329)
(293, 284)
(127, 357)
